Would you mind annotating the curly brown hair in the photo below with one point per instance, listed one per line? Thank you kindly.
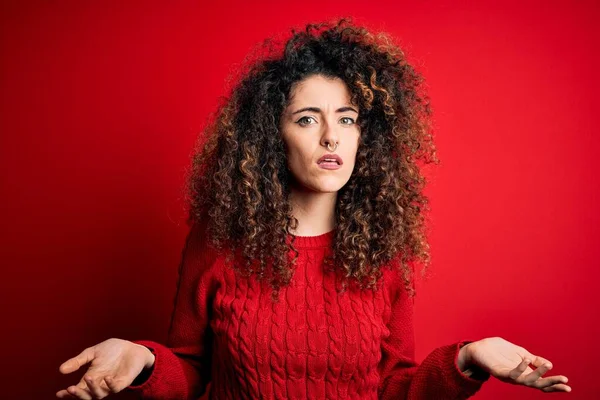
(239, 181)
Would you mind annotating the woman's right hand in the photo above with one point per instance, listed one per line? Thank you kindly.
(115, 363)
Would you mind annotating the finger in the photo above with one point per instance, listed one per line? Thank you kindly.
(63, 394)
(116, 384)
(515, 373)
(559, 387)
(83, 386)
(96, 387)
(73, 364)
(549, 381)
(79, 393)
(531, 378)
(541, 361)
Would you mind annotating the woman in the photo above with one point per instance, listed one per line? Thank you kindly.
(306, 214)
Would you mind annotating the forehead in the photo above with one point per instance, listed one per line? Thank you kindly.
(318, 89)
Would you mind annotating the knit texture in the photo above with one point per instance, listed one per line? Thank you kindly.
(314, 343)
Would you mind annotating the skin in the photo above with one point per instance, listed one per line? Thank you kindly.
(306, 134)
(115, 363)
(314, 195)
(510, 363)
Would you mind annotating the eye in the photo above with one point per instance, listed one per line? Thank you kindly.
(348, 119)
(304, 119)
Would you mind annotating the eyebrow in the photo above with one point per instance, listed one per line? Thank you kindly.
(318, 110)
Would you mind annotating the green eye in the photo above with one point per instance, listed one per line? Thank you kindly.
(304, 119)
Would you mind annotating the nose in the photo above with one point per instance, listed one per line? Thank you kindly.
(330, 137)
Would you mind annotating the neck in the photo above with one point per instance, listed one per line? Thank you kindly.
(315, 211)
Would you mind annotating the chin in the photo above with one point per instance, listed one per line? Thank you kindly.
(329, 190)
(322, 188)
(322, 184)
(330, 187)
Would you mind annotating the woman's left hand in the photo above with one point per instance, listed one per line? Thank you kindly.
(510, 363)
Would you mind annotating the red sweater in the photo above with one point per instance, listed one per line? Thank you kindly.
(312, 344)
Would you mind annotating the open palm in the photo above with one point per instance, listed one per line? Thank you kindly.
(114, 364)
(510, 363)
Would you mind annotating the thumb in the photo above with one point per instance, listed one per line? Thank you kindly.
(73, 364)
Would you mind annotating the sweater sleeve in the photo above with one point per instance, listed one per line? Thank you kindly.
(437, 377)
(181, 368)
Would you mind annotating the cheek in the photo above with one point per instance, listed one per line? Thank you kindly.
(294, 161)
(298, 164)
(297, 154)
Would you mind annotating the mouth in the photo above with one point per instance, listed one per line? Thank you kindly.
(333, 159)
(329, 164)
(333, 162)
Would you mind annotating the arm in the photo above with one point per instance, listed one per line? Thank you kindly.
(181, 368)
(438, 377)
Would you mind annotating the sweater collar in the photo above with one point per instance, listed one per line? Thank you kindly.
(322, 240)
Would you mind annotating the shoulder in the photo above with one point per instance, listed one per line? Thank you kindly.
(200, 258)
(397, 283)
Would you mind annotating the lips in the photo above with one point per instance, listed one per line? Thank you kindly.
(331, 158)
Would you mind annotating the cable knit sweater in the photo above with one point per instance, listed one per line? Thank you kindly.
(312, 344)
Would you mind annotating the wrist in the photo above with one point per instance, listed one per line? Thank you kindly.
(467, 366)
(149, 357)
(464, 358)
(150, 362)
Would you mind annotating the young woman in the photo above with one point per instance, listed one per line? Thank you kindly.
(306, 215)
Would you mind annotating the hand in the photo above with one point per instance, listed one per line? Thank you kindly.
(115, 363)
(510, 363)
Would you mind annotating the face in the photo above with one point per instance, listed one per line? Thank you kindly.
(319, 113)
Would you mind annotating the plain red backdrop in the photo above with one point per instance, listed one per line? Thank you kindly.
(101, 102)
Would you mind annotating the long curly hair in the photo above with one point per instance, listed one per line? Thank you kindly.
(239, 181)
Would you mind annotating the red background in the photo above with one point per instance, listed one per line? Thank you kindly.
(101, 102)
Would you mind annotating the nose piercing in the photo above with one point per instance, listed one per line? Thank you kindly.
(336, 144)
